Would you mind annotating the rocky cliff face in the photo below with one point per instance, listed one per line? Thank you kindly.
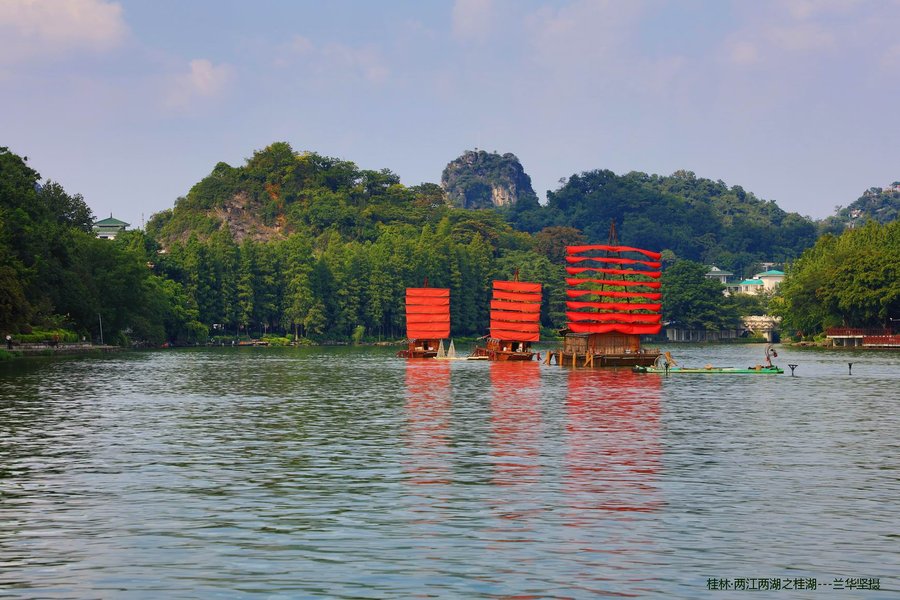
(479, 179)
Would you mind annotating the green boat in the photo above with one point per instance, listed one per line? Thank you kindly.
(758, 369)
(667, 365)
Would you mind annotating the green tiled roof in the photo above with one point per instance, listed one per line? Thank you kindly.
(111, 222)
(772, 273)
(752, 282)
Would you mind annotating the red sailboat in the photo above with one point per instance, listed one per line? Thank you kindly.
(427, 321)
(515, 321)
(613, 299)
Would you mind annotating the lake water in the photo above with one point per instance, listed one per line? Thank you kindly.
(349, 473)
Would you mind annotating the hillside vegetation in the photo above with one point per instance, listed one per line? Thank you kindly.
(311, 246)
(695, 218)
(881, 205)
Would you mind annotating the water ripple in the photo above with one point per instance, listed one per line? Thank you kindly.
(348, 473)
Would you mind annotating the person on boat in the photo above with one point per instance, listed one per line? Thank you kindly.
(770, 352)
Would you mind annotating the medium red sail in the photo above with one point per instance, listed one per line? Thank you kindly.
(427, 313)
(516, 311)
(589, 313)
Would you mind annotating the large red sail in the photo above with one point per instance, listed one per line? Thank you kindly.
(570, 250)
(516, 311)
(427, 313)
(618, 302)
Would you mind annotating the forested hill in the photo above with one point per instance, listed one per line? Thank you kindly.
(878, 204)
(279, 192)
(312, 246)
(696, 218)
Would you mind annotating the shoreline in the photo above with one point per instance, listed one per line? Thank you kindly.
(27, 350)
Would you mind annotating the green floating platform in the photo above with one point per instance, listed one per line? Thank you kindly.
(760, 370)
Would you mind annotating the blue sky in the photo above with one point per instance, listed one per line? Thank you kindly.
(132, 102)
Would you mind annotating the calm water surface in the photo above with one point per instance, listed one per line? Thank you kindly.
(349, 473)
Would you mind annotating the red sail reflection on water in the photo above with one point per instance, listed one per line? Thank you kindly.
(613, 438)
(428, 404)
(516, 426)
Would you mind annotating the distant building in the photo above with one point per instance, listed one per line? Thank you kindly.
(108, 229)
(770, 279)
(719, 275)
(751, 286)
(762, 282)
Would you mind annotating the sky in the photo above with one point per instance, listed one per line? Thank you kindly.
(132, 102)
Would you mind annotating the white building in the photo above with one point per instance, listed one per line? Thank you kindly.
(762, 282)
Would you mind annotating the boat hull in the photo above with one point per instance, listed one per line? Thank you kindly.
(416, 354)
(420, 349)
(611, 360)
(501, 351)
(645, 359)
(501, 355)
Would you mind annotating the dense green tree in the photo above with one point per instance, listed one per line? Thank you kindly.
(552, 241)
(849, 280)
(693, 301)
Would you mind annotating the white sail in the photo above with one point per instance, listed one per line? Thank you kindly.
(451, 352)
(441, 353)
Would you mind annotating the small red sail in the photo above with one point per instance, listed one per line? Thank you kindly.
(590, 313)
(516, 311)
(427, 313)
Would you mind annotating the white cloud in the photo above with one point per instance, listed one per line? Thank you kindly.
(366, 61)
(203, 80)
(780, 32)
(805, 37)
(45, 28)
(335, 60)
(472, 19)
(743, 52)
(804, 9)
(300, 45)
(586, 31)
(891, 58)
